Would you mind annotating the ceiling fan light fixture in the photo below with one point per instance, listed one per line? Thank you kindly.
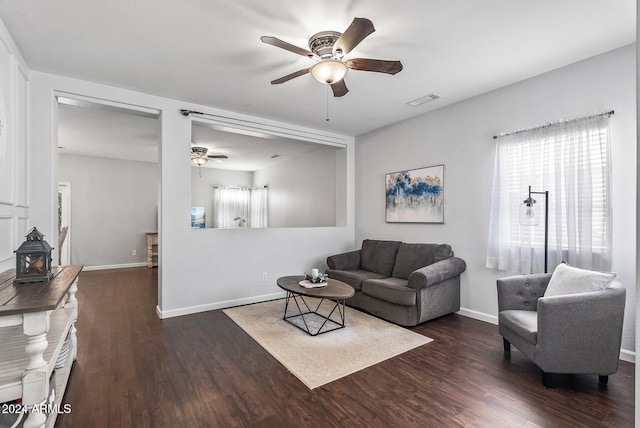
(200, 160)
(199, 155)
(329, 71)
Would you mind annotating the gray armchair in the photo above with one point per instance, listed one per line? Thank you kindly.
(573, 333)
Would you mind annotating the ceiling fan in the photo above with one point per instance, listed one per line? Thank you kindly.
(328, 48)
(200, 157)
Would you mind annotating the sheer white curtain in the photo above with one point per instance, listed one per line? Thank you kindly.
(572, 161)
(231, 207)
(259, 207)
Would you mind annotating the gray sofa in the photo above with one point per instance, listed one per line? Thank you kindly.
(406, 284)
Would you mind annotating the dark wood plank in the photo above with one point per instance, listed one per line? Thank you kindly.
(38, 296)
(202, 370)
(6, 277)
(333, 290)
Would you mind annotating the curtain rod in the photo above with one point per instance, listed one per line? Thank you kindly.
(241, 187)
(550, 124)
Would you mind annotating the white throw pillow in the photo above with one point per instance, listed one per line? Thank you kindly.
(570, 280)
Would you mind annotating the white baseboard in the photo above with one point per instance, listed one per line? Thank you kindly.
(628, 356)
(478, 316)
(625, 355)
(170, 313)
(122, 266)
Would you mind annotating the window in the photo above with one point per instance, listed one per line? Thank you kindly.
(572, 161)
(240, 207)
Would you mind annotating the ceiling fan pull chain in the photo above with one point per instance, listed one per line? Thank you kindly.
(327, 119)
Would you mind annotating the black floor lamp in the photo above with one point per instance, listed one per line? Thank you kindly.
(530, 217)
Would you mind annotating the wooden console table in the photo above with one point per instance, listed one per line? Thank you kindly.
(35, 321)
(152, 249)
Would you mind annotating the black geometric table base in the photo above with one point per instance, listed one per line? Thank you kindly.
(307, 319)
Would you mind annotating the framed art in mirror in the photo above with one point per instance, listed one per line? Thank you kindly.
(198, 217)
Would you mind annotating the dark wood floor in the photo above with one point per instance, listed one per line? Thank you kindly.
(134, 370)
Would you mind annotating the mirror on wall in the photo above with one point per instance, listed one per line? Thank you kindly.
(246, 179)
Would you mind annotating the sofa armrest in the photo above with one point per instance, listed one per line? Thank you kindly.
(591, 327)
(344, 261)
(436, 273)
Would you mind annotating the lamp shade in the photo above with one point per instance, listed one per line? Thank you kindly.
(529, 215)
(200, 160)
(329, 71)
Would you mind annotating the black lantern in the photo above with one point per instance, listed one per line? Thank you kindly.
(33, 259)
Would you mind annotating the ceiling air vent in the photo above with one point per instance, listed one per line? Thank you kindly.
(432, 96)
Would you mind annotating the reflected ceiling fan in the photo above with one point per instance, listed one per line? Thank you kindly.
(328, 48)
(200, 157)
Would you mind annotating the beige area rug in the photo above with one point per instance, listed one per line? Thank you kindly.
(317, 360)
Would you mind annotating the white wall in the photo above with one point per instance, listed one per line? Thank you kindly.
(637, 234)
(302, 191)
(231, 261)
(460, 136)
(113, 204)
(14, 164)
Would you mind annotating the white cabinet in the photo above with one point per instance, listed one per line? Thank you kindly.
(37, 325)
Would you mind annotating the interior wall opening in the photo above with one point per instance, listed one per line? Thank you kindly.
(108, 166)
(248, 179)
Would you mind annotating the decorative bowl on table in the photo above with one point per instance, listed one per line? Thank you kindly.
(314, 281)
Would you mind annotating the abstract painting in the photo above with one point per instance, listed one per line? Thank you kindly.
(415, 196)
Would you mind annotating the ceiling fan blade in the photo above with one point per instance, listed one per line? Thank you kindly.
(339, 88)
(290, 76)
(376, 65)
(274, 41)
(352, 36)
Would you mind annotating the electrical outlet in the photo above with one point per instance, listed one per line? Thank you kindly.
(264, 276)
(134, 252)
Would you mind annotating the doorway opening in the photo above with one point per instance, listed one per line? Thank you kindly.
(64, 223)
(109, 152)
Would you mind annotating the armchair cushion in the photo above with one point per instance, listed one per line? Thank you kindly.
(411, 257)
(378, 256)
(523, 323)
(570, 280)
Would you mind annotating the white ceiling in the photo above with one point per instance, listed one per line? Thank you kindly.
(209, 52)
(246, 152)
(93, 130)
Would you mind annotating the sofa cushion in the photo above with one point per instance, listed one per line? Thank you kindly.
(523, 323)
(392, 290)
(570, 280)
(378, 256)
(411, 257)
(353, 277)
